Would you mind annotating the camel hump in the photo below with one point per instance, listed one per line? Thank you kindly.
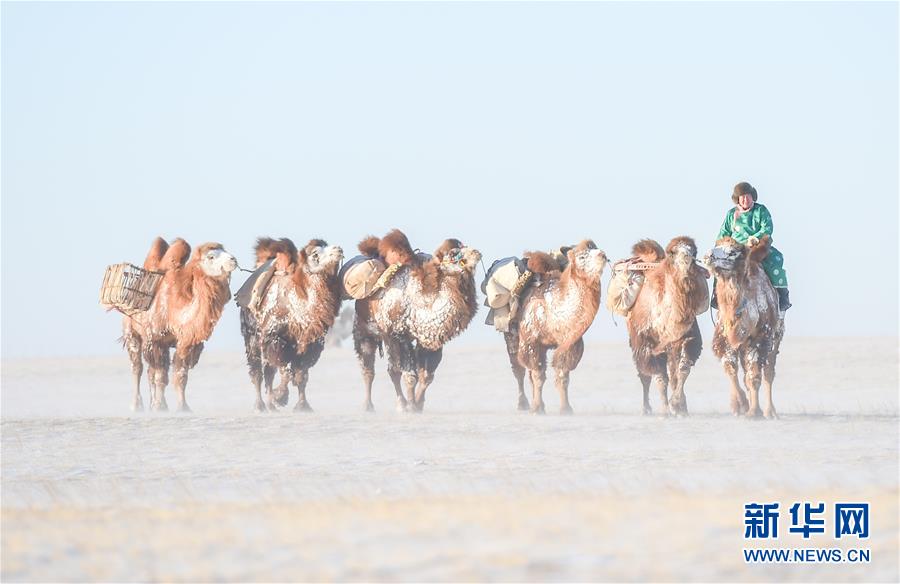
(264, 249)
(760, 251)
(369, 246)
(155, 255)
(541, 263)
(648, 250)
(176, 256)
(397, 242)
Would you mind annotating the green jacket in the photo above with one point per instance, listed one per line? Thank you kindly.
(756, 222)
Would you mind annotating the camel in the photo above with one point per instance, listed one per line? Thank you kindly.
(182, 316)
(662, 324)
(429, 301)
(286, 331)
(750, 326)
(555, 311)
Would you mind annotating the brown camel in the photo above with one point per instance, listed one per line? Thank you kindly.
(662, 324)
(749, 327)
(555, 311)
(182, 316)
(286, 331)
(429, 301)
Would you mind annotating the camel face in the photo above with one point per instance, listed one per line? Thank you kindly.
(218, 263)
(590, 262)
(322, 258)
(724, 259)
(459, 260)
(682, 256)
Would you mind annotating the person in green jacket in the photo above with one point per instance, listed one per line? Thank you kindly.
(746, 223)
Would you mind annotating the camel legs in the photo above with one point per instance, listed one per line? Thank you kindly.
(427, 362)
(395, 375)
(253, 350)
(512, 350)
(752, 378)
(402, 367)
(185, 360)
(681, 358)
(402, 360)
(562, 386)
(645, 384)
(158, 359)
(301, 378)
(739, 403)
(662, 385)
(679, 366)
(256, 378)
(768, 378)
(564, 361)
(280, 395)
(365, 351)
(133, 346)
(537, 369)
(269, 380)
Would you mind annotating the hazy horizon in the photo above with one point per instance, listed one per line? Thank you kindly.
(510, 126)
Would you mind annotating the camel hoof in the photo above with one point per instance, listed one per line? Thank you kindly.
(184, 409)
(160, 407)
(260, 407)
(369, 407)
(646, 410)
(771, 415)
(566, 410)
(303, 406)
(137, 405)
(753, 415)
(282, 400)
(523, 404)
(538, 409)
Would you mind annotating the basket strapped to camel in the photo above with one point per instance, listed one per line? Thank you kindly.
(625, 285)
(128, 288)
(502, 287)
(361, 276)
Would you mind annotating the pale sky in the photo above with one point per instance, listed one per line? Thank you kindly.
(509, 125)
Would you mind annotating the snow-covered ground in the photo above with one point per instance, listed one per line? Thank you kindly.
(469, 490)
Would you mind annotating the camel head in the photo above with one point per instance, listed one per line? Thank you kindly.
(727, 259)
(455, 257)
(322, 258)
(585, 259)
(730, 259)
(215, 261)
(681, 254)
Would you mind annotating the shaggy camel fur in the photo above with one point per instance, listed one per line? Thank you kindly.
(662, 324)
(184, 312)
(555, 311)
(749, 327)
(428, 302)
(286, 332)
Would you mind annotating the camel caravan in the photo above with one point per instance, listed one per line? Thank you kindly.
(410, 304)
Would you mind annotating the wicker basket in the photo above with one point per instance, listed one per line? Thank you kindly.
(128, 288)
